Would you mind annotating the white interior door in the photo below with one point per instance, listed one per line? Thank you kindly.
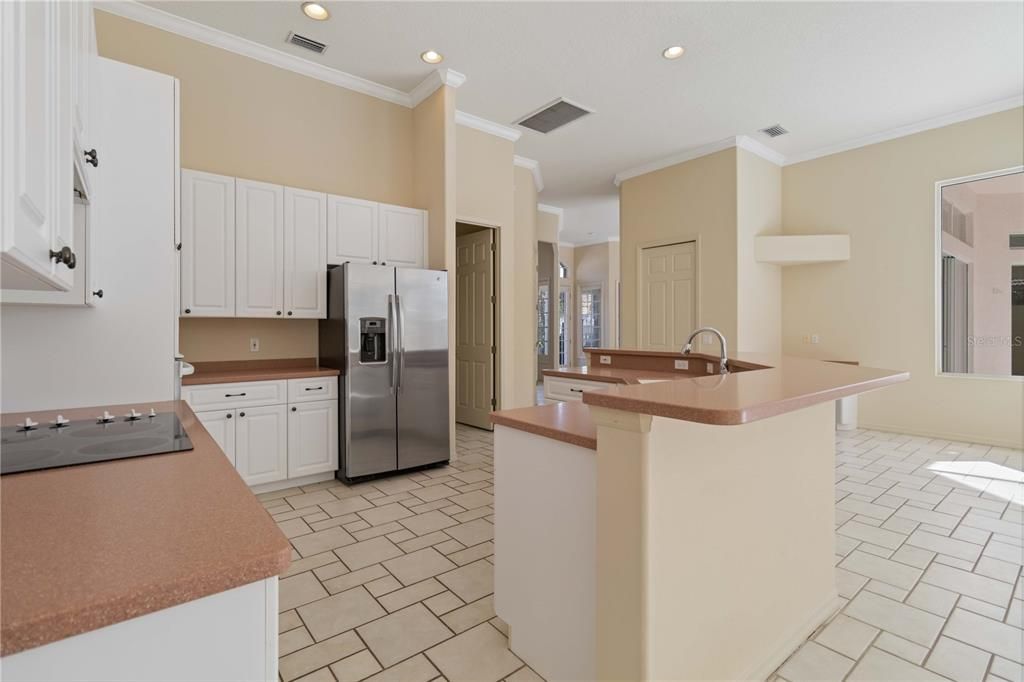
(402, 236)
(668, 307)
(259, 249)
(351, 230)
(221, 426)
(305, 253)
(312, 438)
(207, 244)
(261, 444)
(474, 328)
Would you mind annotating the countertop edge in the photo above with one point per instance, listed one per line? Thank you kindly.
(240, 376)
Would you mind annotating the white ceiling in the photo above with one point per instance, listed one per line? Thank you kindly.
(829, 72)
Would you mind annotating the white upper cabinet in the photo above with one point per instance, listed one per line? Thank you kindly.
(352, 230)
(36, 135)
(259, 249)
(305, 253)
(207, 245)
(402, 235)
(84, 94)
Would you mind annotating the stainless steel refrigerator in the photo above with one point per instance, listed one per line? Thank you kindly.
(387, 331)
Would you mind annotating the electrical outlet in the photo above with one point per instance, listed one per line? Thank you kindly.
(815, 338)
(254, 344)
(711, 368)
(682, 364)
(604, 359)
(706, 339)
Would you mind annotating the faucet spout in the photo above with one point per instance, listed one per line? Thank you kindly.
(723, 367)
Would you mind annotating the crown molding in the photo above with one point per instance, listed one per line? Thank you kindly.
(434, 80)
(165, 21)
(485, 126)
(674, 159)
(532, 166)
(554, 210)
(755, 147)
(910, 129)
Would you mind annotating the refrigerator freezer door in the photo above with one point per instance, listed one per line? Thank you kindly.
(370, 444)
(423, 370)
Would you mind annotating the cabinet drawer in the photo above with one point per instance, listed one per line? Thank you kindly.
(570, 389)
(241, 394)
(313, 388)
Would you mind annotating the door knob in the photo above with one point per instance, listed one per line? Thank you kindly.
(295, 409)
(289, 312)
(278, 312)
(65, 256)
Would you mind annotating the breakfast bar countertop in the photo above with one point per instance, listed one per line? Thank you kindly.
(92, 545)
(568, 422)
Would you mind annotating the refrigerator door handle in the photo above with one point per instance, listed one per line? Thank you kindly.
(400, 358)
(392, 332)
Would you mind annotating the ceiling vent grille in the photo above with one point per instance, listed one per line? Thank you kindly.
(308, 43)
(553, 116)
(774, 131)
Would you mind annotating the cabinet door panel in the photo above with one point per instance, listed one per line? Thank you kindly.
(259, 249)
(221, 425)
(305, 253)
(207, 245)
(403, 233)
(312, 438)
(31, 145)
(351, 230)
(261, 444)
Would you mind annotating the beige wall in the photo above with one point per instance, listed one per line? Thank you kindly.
(879, 307)
(759, 285)
(548, 225)
(691, 200)
(485, 195)
(248, 119)
(210, 338)
(524, 329)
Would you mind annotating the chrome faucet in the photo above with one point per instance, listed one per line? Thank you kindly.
(723, 367)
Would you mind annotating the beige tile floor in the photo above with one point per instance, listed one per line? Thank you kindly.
(393, 579)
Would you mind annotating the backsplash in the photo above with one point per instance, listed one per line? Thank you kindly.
(218, 339)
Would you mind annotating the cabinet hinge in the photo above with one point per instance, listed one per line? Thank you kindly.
(494, 402)
(492, 299)
(494, 247)
(493, 350)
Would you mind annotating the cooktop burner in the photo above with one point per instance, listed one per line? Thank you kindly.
(47, 446)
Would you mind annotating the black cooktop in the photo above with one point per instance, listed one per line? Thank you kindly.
(86, 441)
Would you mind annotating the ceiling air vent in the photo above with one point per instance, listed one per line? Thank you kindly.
(553, 116)
(308, 43)
(774, 131)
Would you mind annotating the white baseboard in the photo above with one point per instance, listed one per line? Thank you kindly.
(792, 641)
(983, 439)
(291, 483)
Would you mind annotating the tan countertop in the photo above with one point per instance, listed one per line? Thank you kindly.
(226, 372)
(568, 422)
(765, 387)
(92, 545)
(785, 384)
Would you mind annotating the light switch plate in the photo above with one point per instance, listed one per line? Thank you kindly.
(254, 344)
(682, 364)
(604, 359)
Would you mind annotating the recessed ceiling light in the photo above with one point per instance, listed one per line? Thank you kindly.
(673, 52)
(431, 57)
(316, 11)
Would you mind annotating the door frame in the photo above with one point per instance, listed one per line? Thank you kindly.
(653, 244)
(497, 306)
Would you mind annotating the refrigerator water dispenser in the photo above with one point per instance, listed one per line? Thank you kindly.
(372, 340)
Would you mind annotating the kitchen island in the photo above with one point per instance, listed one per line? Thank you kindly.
(688, 517)
(155, 567)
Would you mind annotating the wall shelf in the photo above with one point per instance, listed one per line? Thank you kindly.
(802, 249)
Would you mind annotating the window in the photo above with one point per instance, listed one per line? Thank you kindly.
(564, 321)
(543, 324)
(590, 316)
(981, 274)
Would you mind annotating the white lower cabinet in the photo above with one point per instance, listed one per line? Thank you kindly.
(312, 438)
(261, 444)
(221, 425)
(295, 437)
